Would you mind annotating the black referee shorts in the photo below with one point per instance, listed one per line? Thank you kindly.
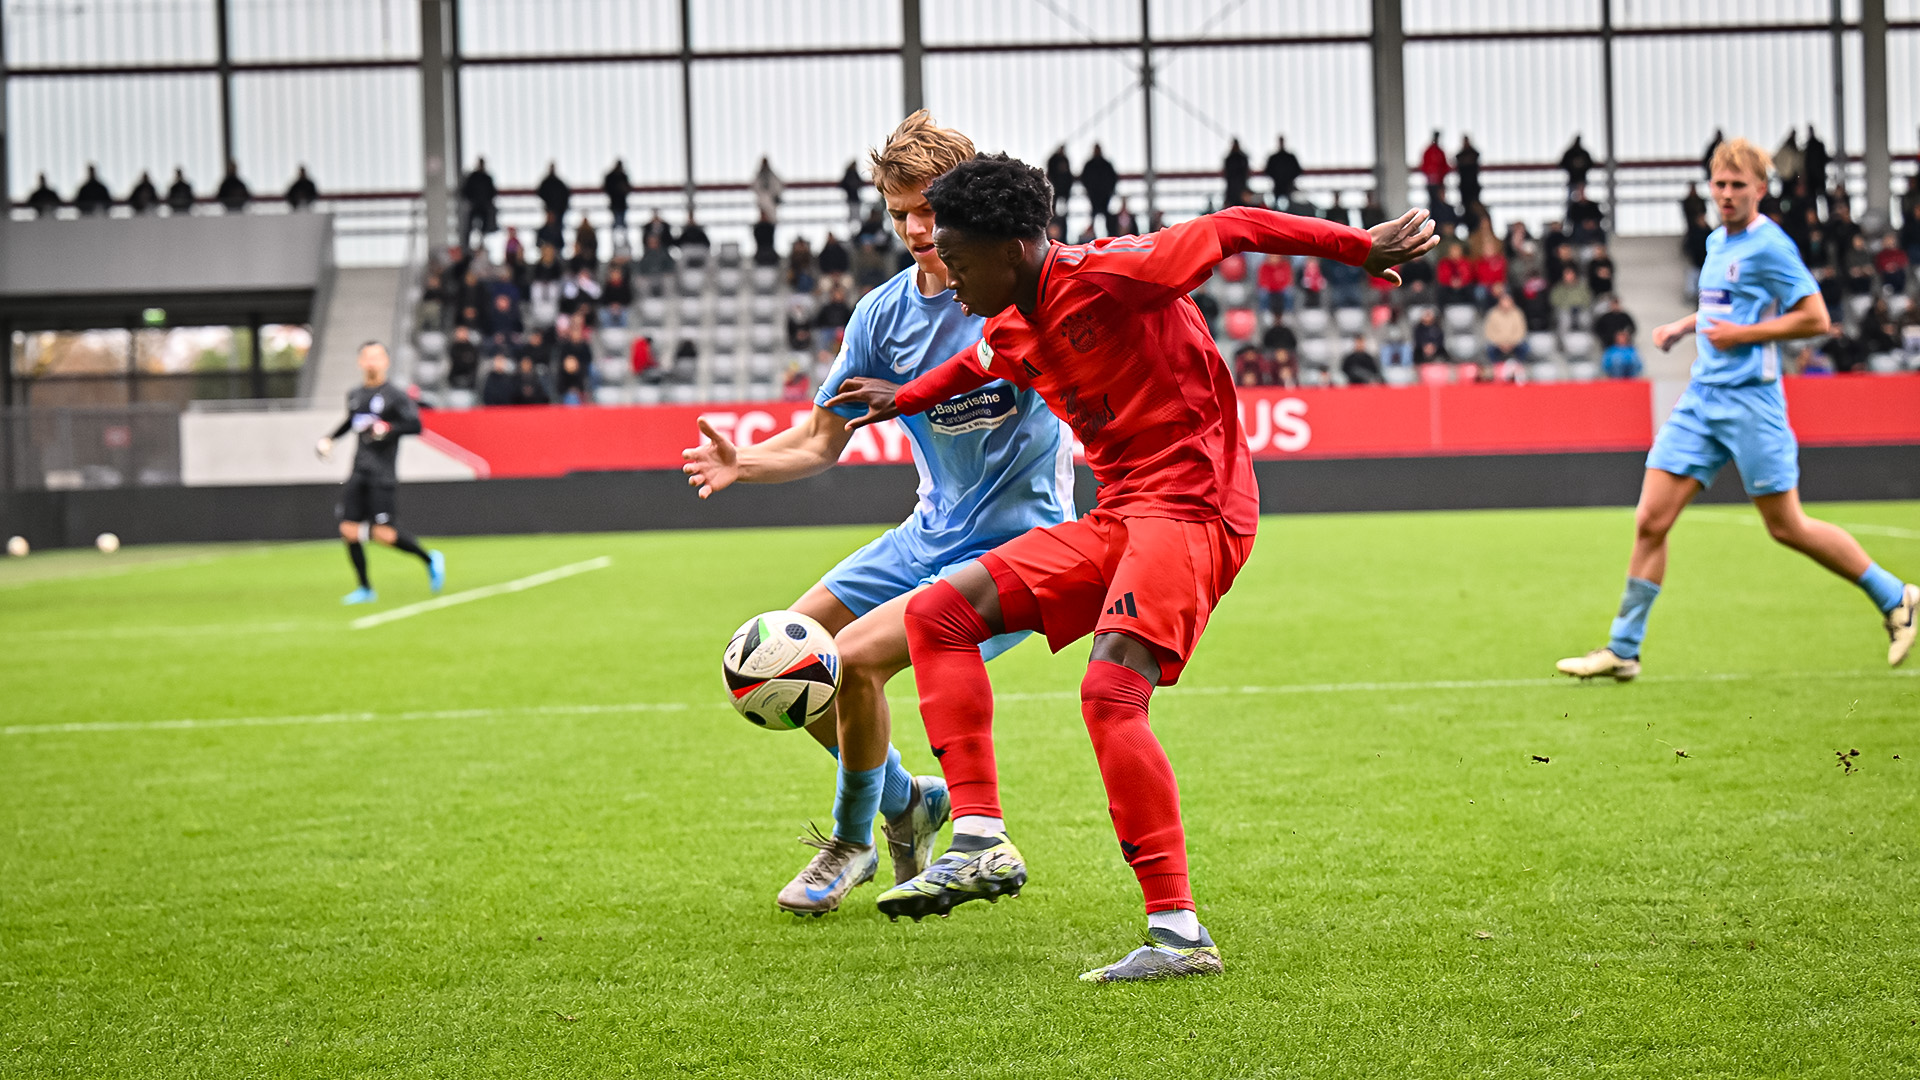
(367, 499)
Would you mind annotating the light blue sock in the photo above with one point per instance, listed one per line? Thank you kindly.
(856, 797)
(898, 788)
(1630, 626)
(1885, 589)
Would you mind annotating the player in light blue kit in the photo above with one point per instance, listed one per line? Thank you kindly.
(993, 464)
(1754, 293)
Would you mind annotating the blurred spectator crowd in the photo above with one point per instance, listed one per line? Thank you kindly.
(94, 199)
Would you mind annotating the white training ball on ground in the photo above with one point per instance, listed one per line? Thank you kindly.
(17, 547)
(107, 543)
(782, 670)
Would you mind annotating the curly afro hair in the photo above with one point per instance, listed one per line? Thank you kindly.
(993, 195)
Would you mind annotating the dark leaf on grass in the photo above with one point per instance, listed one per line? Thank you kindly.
(1541, 760)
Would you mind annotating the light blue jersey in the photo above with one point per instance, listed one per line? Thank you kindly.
(1749, 277)
(993, 463)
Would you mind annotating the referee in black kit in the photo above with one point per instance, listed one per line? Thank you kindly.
(379, 413)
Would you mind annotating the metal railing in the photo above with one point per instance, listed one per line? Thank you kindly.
(66, 449)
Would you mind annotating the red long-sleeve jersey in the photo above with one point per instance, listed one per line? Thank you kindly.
(1119, 350)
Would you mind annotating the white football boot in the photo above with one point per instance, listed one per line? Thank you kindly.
(1902, 623)
(838, 868)
(1600, 663)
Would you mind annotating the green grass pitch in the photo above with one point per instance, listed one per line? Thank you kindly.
(525, 837)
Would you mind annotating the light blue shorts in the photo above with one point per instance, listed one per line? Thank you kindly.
(887, 568)
(1710, 424)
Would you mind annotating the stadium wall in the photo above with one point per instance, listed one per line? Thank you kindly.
(883, 494)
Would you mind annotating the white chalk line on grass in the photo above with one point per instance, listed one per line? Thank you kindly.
(172, 563)
(164, 632)
(1728, 518)
(1050, 695)
(517, 585)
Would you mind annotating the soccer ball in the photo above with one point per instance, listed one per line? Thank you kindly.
(107, 543)
(17, 547)
(782, 670)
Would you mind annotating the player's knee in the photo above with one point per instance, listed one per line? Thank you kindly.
(1652, 526)
(1125, 651)
(350, 531)
(940, 613)
(386, 534)
(1785, 530)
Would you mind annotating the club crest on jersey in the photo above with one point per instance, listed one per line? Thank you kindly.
(985, 352)
(1733, 271)
(1081, 330)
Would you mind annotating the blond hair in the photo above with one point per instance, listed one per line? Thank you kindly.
(1742, 156)
(917, 152)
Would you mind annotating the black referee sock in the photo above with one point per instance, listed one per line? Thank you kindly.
(358, 553)
(406, 543)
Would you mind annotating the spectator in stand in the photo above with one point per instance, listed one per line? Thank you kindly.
(830, 322)
(572, 381)
(640, 359)
(1455, 274)
(463, 359)
(554, 193)
(500, 385)
(179, 194)
(233, 193)
(1274, 283)
(477, 195)
(1694, 247)
(801, 276)
(1416, 282)
(1600, 271)
(1284, 170)
(1505, 329)
(1621, 360)
(1252, 368)
(616, 297)
(1359, 366)
(1577, 163)
(1434, 166)
(767, 190)
(503, 317)
(693, 237)
(1586, 218)
(1371, 212)
(1280, 342)
(1489, 272)
(1100, 178)
(1891, 264)
(1310, 284)
(586, 246)
(1814, 161)
(1337, 211)
(1612, 320)
(1060, 175)
(579, 295)
(655, 259)
(1396, 344)
(535, 347)
(302, 193)
(1861, 274)
(1236, 170)
(1124, 223)
(1572, 300)
(1555, 249)
(1429, 338)
(144, 198)
(764, 253)
(852, 184)
(618, 190)
(93, 198)
(1466, 161)
(529, 388)
(796, 387)
(656, 228)
(1344, 284)
(835, 263)
(550, 234)
(1523, 255)
(1692, 205)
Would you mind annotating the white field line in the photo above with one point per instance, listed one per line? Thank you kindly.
(164, 632)
(174, 563)
(517, 585)
(1725, 518)
(1050, 695)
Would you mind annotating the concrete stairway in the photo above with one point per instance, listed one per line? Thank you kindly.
(360, 307)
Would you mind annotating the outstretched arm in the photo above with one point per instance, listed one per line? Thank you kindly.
(965, 372)
(1378, 249)
(801, 451)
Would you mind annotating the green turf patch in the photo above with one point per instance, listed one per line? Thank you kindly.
(525, 836)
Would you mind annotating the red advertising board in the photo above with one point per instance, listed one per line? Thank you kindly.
(1365, 421)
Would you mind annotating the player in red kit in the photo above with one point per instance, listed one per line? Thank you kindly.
(1108, 336)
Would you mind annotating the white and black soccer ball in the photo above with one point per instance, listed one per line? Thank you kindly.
(782, 670)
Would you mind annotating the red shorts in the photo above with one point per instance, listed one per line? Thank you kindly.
(1154, 579)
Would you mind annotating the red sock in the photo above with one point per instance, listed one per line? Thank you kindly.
(956, 699)
(1142, 795)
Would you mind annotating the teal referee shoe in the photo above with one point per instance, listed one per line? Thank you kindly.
(360, 596)
(436, 570)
